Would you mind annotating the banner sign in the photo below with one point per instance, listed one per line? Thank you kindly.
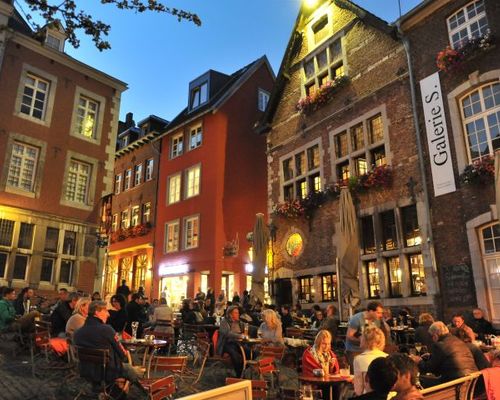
(443, 177)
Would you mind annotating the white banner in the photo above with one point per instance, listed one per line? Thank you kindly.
(443, 177)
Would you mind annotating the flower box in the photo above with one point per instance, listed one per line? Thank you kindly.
(479, 172)
(321, 96)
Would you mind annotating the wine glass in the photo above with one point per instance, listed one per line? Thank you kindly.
(418, 347)
(135, 326)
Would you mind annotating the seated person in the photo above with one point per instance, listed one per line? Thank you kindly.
(372, 343)
(231, 329)
(77, 320)
(458, 322)
(163, 313)
(422, 334)
(380, 379)
(270, 330)
(136, 311)
(450, 358)
(320, 355)
(118, 316)
(8, 321)
(24, 301)
(406, 385)
(95, 334)
(330, 323)
(61, 314)
(479, 357)
(286, 317)
(481, 325)
(318, 319)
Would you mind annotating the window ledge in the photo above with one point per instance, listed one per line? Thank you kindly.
(20, 192)
(32, 119)
(86, 207)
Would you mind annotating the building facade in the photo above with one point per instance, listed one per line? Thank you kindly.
(212, 182)
(130, 251)
(58, 121)
(457, 78)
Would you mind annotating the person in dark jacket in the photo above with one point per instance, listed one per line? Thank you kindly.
(286, 317)
(23, 301)
(60, 316)
(331, 323)
(481, 325)
(422, 334)
(118, 316)
(136, 312)
(450, 358)
(479, 357)
(96, 334)
(381, 377)
(124, 290)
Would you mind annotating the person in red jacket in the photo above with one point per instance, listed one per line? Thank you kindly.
(320, 355)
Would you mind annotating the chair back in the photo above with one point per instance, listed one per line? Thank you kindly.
(176, 365)
(161, 388)
(259, 387)
(276, 352)
(457, 389)
(266, 366)
(294, 332)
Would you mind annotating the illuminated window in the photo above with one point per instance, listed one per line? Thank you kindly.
(146, 213)
(373, 279)
(395, 276)
(376, 129)
(490, 240)
(305, 289)
(343, 171)
(86, 117)
(128, 179)
(177, 145)
(195, 137)
(124, 220)
(136, 214)
(6, 232)
(172, 236)
(137, 174)
(22, 166)
(35, 96)
(149, 170)
(193, 181)
(191, 232)
(411, 230)
(417, 275)
(174, 188)
(329, 287)
(78, 181)
(114, 224)
(468, 23)
(118, 183)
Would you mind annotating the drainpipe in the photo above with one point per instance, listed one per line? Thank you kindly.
(430, 240)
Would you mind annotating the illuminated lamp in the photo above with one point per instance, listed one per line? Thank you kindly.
(310, 3)
(173, 269)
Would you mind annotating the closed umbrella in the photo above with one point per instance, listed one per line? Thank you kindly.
(348, 249)
(260, 240)
(497, 181)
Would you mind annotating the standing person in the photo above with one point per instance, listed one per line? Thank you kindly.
(136, 312)
(246, 299)
(118, 316)
(331, 322)
(481, 325)
(406, 384)
(381, 377)
(320, 355)
(211, 296)
(271, 330)
(220, 304)
(8, 321)
(236, 298)
(23, 302)
(200, 295)
(357, 324)
(79, 316)
(60, 316)
(124, 290)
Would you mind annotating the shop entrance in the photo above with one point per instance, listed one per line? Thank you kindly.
(227, 284)
(174, 289)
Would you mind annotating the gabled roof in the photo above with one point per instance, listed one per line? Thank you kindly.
(233, 83)
(295, 43)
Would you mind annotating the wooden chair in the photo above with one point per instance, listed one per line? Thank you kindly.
(193, 373)
(259, 387)
(293, 332)
(457, 389)
(168, 337)
(159, 389)
(267, 367)
(175, 365)
(277, 352)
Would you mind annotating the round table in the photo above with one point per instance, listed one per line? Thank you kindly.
(328, 381)
(149, 348)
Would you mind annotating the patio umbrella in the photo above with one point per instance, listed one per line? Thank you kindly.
(348, 250)
(260, 239)
(497, 181)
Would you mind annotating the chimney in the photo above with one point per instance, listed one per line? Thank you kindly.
(129, 120)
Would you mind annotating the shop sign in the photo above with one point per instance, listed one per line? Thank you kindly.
(173, 269)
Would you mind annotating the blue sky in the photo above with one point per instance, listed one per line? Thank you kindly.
(157, 56)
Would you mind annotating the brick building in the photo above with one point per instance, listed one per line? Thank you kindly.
(130, 252)
(341, 114)
(212, 182)
(58, 123)
(465, 94)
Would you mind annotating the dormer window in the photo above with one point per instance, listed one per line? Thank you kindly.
(199, 95)
(262, 99)
(125, 141)
(55, 36)
(53, 42)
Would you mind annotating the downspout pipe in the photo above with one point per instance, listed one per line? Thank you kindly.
(411, 75)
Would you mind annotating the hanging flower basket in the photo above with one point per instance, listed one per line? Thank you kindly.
(479, 172)
(321, 96)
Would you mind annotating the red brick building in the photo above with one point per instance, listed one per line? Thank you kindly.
(212, 182)
(130, 251)
(58, 123)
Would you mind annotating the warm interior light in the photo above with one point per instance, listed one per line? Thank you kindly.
(311, 3)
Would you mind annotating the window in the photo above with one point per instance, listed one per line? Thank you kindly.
(146, 213)
(411, 230)
(305, 289)
(77, 185)
(124, 220)
(329, 287)
(359, 148)
(128, 179)
(367, 235)
(320, 29)
(199, 95)
(262, 99)
(118, 183)
(4, 258)
(69, 244)
(20, 267)
(66, 272)
(176, 145)
(137, 174)
(134, 221)
(323, 66)
(468, 23)
(22, 166)
(373, 279)
(195, 137)
(86, 117)
(490, 238)
(481, 119)
(53, 42)
(193, 181)
(35, 96)
(301, 173)
(149, 170)
(172, 236)
(47, 270)
(174, 188)
(389, 238)
(25, 236)
(395, 277)
(51, 240)
(191, 232)
(125, 140)
(114, 223)
(417, 275)
(6, 232)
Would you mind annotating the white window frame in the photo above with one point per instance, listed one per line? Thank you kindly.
(127, 184)
(138, 174)
(53, 42)
(483, 115)
(118, 183)
(114, 223)
(30, 107)
(172, 236)
(191, 230)
(79, 174)
(199, 95)
(489, 259)
(87, 109)
(467, 24)
(177, 145)
(135, 216)
(23, 169)
(71, 271)
(192, 179)
(88, 97)
(7, 258)
(125, 219)
(174, 188)
(262, 99)
(148, 175)
(146, 213)
(196, 136)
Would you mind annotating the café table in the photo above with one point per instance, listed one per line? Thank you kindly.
(149, 347)
(250, 343)
(329, 382)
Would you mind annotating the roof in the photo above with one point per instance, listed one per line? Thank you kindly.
(154, 117)
(233, 82)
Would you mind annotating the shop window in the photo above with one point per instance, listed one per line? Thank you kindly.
(329, 287)
(468, 23)
(389, 237)
(66, 272)
(69, 243)
(367, 235)
(20, 267)
(305, 289)
(411, 230)
(395, 277)
(51, 240)
(25, 236)
(417, 274)
(6, 232)
(47, 270)
(373, 279)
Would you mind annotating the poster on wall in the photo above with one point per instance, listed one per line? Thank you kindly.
(443, 178)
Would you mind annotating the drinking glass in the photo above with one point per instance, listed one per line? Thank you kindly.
(135, 326)
(307, 392)
(418, 347)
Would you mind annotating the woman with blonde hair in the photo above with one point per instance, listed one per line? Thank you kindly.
(320, 355)
(372, 343)
(271, 330)
(79, 316)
